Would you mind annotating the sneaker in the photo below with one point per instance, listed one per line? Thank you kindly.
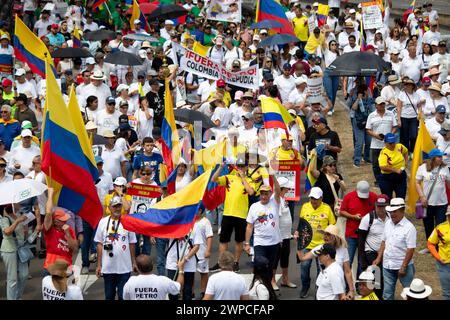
(30, 277)
(93, 258)
(236, 267)
(367, 161)
(304, 293)
(424, 251)
(330, 113)
(85, 270)
(215, 268)
(356, 165)
(218, 231)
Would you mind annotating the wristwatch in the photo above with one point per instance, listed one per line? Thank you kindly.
(181, 272)
(246, 243)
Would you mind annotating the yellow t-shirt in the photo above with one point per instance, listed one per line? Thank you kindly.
(236, 197)
(319, 219)
(281, 154)
(301, 28)
(313, 43)
(256, 180)
(394, 159)
(226, 97)
(371, 296)
(441, 237)
(108, 198)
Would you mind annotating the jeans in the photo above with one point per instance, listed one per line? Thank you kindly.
(362, 140)
(189, 278)
(331, 84)
(352, 249)
(161, 246)
(393, 182)
(114, 283)
(305, 267)
(16, 275)
(375, 166)
(435, 216)
(390, 280)
(408, 133)
(87, 244)
(270, 253)
(129, 170)
(146, 245)
(444, 278)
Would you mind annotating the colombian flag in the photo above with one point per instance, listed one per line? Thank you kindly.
(409, 11)
(30, 49)
(274, 114)
(272, 10)
(174, 216)
(67, 158)
(97, 3)
(423, 146)
(312, 165)
(322, 14)
(137, 14)
(76, 38)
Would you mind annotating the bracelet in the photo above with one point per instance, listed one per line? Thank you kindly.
(246, 243)
(181, 272)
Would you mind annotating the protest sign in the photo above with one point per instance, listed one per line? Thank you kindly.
(315, 89)
(224, 10)
(371, 15)
(143, 196)
(312, 23)
(289, 169)
(207, 68)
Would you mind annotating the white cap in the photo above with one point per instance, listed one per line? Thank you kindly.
(4, 36)
(142, 53)
(434, 43)
(90, 60)
(256, 37)
(351, 11)
(169, 22)
(396, 203)
(285, 183)
(378, 31)
(26, 133)
(363, 189)
(359, 5)
(137, 21)
(20, 72)
(315, 4)
(263, 31)
(120, 181)
(209, 143)
(316, 193)
(121, 87)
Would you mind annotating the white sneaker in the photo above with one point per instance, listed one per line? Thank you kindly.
(85, 270)
(424, 251)
(330, 113)
(218, 231)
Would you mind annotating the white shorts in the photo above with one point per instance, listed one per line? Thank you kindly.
(203, 265)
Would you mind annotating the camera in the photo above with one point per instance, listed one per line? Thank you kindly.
(109, 247)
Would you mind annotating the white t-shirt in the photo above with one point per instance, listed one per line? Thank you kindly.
(375, 235)
(444, 146)
(438, 196)
(390, 93)
(49, 291)
(380, 124)
(179, 185)
(409, 110)
(285, 86)
(26, 87)
(266, 222)
(112, 161)
(120, 239)
(285, 220)
(107, 121)
(101, 92)
(224, 115)
(204, 229)
(341, 254)
(144, 125)
(247, 136)
(411, 68)
(433, 128)
(205, 89)
(24, 157)
(226, 285)
(41, 27)
(104, 186)
(150, 287)
(430, 105)
(330, 282)
(172, 255)
(258, 291)
(444, 64)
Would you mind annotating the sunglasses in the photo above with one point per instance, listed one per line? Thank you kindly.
(4, 111)
(2, 165)
(332, 165)
(146, 173)
(247, 98)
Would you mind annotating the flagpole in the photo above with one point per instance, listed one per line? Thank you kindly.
(183, 251)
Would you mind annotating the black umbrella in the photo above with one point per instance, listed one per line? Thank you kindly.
(190, 116)
(358, 64)
(266, 24)
(71, 53)
(123, 58)
(277, 39)
(99, 35)
(169, 11)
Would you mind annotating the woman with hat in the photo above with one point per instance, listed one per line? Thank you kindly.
(124, 97)
(55, 286)
(392, 161)
(390, 92)
(329, 180)
(409, 105)
(435, 99)
(331, 237)
(431, 179)
(416, 291)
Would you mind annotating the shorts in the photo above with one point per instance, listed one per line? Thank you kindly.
(229, 224)
(203, 265)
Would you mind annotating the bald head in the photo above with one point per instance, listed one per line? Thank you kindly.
(144, 264)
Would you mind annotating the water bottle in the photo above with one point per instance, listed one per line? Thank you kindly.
(361, 106)
(33, 236)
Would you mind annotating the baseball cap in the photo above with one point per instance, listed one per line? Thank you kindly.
(256, 37)
(54, 26)
(26, 124)
(380, 100)
(115, 201)
(20, 72)
(221, 83)
(351, 11)
(315, 4)
(395, 51)
(284, 183)
(6, 83)
(435, 152)
(120, 181)
(4, 36)
(238, 95)
(287, 66)
(327, 249)
(426, 81)
(137, 21)
(268, 76)
(382, 200)
(434, 43)
(110, 100)
(442, 43)
(169, 22)
(265, 187)
(236, 63)
(263, 31)
(98, 159)
(396, 203)
(363, 189)
(247, 115)
(441, 109)
(316, 193)
(320, 120)
(390, 138)
(60, 215)
(26, 133)
(90, 60)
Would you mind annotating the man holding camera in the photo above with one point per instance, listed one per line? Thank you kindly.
(379, 123)
(116, 251)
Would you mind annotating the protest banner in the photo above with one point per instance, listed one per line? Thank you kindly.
(289, 169)
(224, 10)
(143, 196)
(312, 23)
(315, 89)
(207, 68)
(371, 15)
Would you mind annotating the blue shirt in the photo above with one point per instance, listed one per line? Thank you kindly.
(56, 39)
(8, 131)
(153, 161)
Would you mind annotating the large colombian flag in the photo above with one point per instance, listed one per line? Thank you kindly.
(137, 14)
(174, 216)
(272, 10)
(274, 114)
(30, 49)
(69, 170)
(76, 38)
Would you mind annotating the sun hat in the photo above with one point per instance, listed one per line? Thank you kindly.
(247, 94)
(108, 134)
(366, 276)
(90, 125)
(382, 200)
(98, 75)
(434, 72)
(417, 290)
(407, 80)
(435, 87)
(316, 193)
(363, 189)
(395, 204)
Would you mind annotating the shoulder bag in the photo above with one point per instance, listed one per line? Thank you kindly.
(421, 212)
(337, 201)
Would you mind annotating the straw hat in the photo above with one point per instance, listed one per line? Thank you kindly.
(58, 270)
(417, 290)
(434, 72)
(435, 86)
(407, 80)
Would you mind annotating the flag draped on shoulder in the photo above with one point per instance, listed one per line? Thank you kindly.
(67, 159)
(310, 181)
(173, 217)
(272, 10)
(274, 114)
(30, 49)
(423, 146)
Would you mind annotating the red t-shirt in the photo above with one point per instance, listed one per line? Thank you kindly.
(57, 246)
(355, 205)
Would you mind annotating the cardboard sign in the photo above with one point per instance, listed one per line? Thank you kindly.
(289, 169)
(315, 89)
(224, 10)
(312, 23)
(207, 68)
(371, 15)
(143, 197)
